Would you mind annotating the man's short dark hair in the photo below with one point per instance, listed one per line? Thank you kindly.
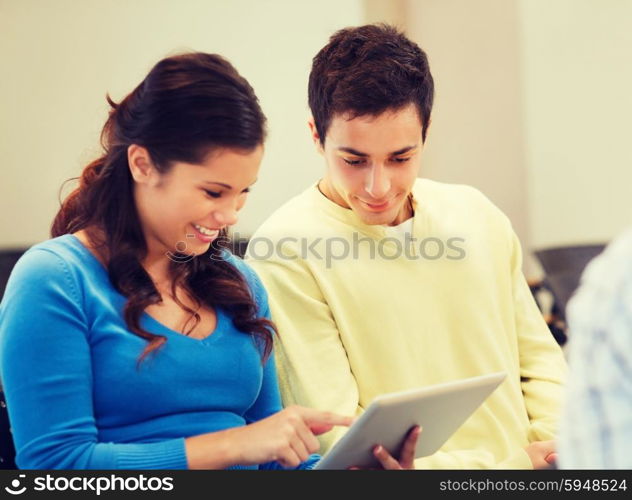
(367, 70)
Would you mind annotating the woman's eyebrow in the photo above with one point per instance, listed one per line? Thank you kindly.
(227, 186)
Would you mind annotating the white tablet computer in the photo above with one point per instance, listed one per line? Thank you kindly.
(439, 409)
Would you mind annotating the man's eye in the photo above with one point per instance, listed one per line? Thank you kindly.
(213, 194)
(353, 162)
(401, 160)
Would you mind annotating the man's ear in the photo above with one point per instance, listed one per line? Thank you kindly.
(315, 137)
(140, 164)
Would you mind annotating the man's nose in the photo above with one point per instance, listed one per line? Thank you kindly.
(378, 182)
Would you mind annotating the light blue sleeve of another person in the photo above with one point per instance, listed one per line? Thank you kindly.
(596, 426)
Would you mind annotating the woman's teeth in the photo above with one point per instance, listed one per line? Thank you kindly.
(206, 231)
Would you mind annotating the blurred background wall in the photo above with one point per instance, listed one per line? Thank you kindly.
(532, 103)
(61, 57)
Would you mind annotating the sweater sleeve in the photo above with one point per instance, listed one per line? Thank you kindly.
(45, 359)
(268, 403)
(473, 459)
(313, 368)
(543, 368)
(542, 373)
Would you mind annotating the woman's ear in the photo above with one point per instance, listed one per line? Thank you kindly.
(140, 164)
(315, 137)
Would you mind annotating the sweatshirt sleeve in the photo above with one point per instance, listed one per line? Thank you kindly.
(542, 373)
(543, 368)
(46, 366)
(473, 459)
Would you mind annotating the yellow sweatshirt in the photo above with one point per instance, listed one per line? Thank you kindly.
(361, 313)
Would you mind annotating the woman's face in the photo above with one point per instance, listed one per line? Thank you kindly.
(184, 209)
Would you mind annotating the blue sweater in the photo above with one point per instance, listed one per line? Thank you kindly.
(69, 368)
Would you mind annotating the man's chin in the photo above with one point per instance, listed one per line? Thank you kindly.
(376, 219)
(370, 218)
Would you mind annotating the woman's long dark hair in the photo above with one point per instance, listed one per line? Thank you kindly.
(187, 105)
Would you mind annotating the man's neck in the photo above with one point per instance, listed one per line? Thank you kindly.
(328, 192)
(406, 213)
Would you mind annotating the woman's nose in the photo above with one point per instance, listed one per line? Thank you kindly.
(226, 217)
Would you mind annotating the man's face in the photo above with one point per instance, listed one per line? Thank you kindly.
(372, 163)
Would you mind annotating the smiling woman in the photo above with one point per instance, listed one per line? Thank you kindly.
(184, 124)
(129, 340)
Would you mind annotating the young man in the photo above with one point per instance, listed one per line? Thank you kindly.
(380, 281)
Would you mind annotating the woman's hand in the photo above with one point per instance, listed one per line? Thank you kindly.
(406, 455)
(287, 437)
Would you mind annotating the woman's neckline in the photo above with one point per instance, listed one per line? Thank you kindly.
(218, 311)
